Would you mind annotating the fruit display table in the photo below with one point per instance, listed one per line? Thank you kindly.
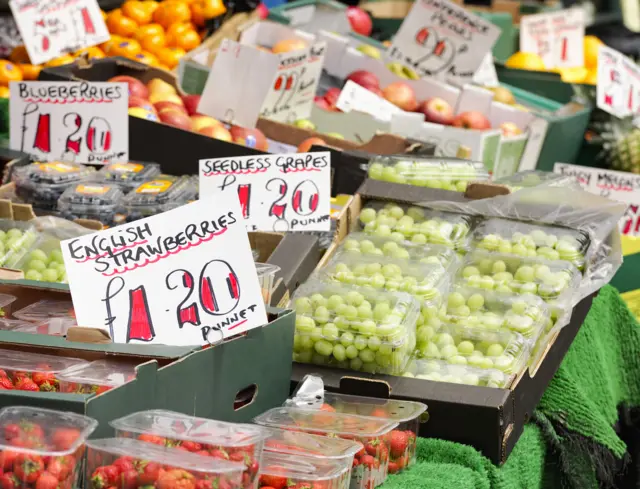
(575, 438)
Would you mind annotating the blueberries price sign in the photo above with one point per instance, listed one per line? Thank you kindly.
(51, 28)
(612, 90)
(284, 192)
(184, 277)
(443, 40)
(557, 37)
(82, 122)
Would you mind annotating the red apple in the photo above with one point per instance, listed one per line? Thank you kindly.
(331, 96)
(217, 132)
(305, 145)
(175, 118)
(401, 95)
(262, 10)
(136, 87)
(191, 103)
(471, 120)
(377, 91)
(200, 121)
(360, 21)
(168, 105)
(437, 110)
(510, 129)
(141, 102)
(251, 138)
(365, 79)
(322, 103)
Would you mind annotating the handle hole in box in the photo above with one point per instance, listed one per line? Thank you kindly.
(245, 396)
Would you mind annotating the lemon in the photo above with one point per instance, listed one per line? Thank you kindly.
(525, 61)
(576, 74)
(591, 46)
(591, 78)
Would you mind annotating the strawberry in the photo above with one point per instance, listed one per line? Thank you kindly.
(27, 468)
(7, 457)
(399, 443)
(275, 481)
(12, 431)
(5, 383)
(204, 484)
(104, 477)
(372, 447)
(176, 479)
(44, 377)
(393, 468)
(155, 439)
(148, 472)
(9, 481)
(355, 462)
(361, 452)
(61, 467)
(368, 461)
(128, 479)
(191, 446)
(26, 384)
(379, 413)
(219, 453)
(123, 464)
(46, 481)
(328, 408)
(64, 438)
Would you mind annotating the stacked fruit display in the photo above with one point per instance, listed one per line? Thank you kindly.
(27, 371)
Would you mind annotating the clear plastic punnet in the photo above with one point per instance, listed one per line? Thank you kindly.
(372, 464)
(422, 280)
(304, 472)
(96, 377)
(91, 200)
(551, 280)
(16, 238)
(155, 196)
(526, 314)
(127, 175)
(51, 327)
(45, 309)
(532, 240)
(442, 371)
(142, 464)
(356, 328)
(27, 371)
(241, 443)
(442, 173)
(301, 443)
(15, 325)
(417, 224)
(535, 178)
(43, 447)
(42, 184)
(44, 262)
(503, 350)
(5, 304)
(310, 394)
(266, 276)
(396, 246)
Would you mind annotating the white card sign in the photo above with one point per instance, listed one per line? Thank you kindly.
(616, 185)
(84, 122)
(184, 277)
(236, 86)
(486, 75)
(355, 97)
(613, 84)
(632, 72)
(293, 89)
(286, 192)
(557, 37)
(441, 39)
(51, 28)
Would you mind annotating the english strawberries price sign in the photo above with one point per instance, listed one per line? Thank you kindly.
(83, 122)
(284, 192)
(51, 28)
(184, 277)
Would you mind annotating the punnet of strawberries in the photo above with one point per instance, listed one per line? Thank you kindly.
(219, 440)
(125, 463)
(96, 377)
(41, 448)
(299, 471)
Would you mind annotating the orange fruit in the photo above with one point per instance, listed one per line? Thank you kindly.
(172, 11)
(94, 52)
(145, 30)
(591, 46)
(186, 40)
(170, 56)
(19, 55)
(120, 25)
(178, 28)
(65, 59)
(126, 48)
(153, 42)
(29, 71)
(9, 72)
(146, 58)
(106, 46)
(213, 8)
(197, 14)
(4, 92)
(137, 11)
(150, 5)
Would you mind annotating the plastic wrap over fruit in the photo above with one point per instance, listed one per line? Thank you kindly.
(537, 178)
(566, 210)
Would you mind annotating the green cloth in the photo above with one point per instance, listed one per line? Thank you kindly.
(571, 442)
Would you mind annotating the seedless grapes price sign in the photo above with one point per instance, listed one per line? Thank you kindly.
(284, 192)
(184, 277)
(84, 122)
(441, 39)
(51, 28)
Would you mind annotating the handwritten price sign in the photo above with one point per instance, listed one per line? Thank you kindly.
(556, 37)
(51, 28)
(84, 122)
(286, 192)
(184, 277)
(613, 83)
(443, 40)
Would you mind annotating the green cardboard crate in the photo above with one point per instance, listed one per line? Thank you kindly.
(542, 83)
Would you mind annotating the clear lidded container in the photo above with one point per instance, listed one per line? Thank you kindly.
(51, 326)
(162, 193)
(533, 178)
(96, 377)
(356, 328)
(141, 464)
(301, 472)
(396, 246)
(14, 324)
(5, 304)
(442, 371)
(127, 175)
(443, 173)
(91, 200)
(242, 443)
(28, 371)
(464, 345)
(545, 241)
(267, 275)
(551, 280)
(46, 309)
(46, 446)
(16, 238)
(301, 443)
(42, 184)
(44, 263)
(370, 467)
(417, 224)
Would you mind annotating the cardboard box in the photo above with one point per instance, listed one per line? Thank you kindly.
(216, 382)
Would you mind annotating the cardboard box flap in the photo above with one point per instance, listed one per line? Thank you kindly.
(408, 194)
(88, 335)
(296, 255)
